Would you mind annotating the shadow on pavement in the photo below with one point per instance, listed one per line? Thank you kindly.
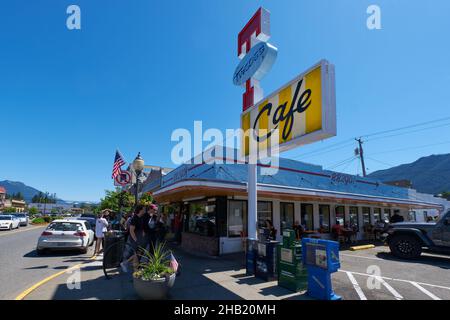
(441, 262)
(52, 254)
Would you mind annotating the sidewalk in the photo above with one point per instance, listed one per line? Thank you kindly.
(202, 278)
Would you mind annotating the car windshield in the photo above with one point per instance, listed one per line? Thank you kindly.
(21, 215)
(5, 217)
(64, 226)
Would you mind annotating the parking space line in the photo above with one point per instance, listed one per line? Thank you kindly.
(356, 286)
(394, 279)
(397, 295)
(428, 293)
(358, 256)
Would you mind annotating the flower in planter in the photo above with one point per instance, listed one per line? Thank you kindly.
(156, 265)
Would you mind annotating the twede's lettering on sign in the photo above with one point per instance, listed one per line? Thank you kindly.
(256, 63)
(303, 111)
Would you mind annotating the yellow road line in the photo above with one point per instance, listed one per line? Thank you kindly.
(17, 231)
(26, 292)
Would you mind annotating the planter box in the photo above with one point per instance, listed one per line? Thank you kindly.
(154, 289)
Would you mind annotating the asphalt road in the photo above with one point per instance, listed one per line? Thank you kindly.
(427, 278)
(21, 267)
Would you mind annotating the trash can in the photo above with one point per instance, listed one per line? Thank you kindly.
(113, 250)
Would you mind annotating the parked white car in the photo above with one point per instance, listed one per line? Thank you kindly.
(66, 234)
(8, 222)
(23, 219)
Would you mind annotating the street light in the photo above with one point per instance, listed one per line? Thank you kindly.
(138, 166)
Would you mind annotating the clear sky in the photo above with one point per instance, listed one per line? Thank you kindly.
(139, 69)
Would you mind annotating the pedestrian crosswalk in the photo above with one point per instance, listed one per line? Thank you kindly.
(362, 286)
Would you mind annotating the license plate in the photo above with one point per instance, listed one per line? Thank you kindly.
(61, 244)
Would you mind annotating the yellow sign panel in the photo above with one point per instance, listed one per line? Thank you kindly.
(301, 112)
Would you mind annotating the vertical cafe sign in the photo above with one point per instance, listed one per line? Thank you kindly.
(300, 112)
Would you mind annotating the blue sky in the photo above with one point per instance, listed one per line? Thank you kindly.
(137, 70)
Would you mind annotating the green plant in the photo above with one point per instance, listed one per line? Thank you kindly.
(38, 221)
(146, 199)
(9, 210)
(47, 219)
(156, 265)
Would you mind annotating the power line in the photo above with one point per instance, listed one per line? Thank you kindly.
(409, 148)
(412, 131)
(407, 127)
(385, 163)
(347, 142)
(340, 163)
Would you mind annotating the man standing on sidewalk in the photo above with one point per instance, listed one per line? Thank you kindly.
(138, 238)
(101, 226)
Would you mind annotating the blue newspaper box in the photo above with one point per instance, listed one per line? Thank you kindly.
(321, 258)
(266, 260)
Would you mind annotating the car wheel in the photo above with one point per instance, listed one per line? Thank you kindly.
(406, 247)
(84, 250)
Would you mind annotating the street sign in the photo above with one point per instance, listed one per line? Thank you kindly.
(123, 179)
(303, 110)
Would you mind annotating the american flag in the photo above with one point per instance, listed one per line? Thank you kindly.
(118, 162)
(173, 263)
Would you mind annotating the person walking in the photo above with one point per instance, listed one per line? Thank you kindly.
(137, 239)
(101, 226)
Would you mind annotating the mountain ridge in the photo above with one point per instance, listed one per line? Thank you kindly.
(429, 174)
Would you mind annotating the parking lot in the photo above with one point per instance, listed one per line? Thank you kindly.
(374, 274)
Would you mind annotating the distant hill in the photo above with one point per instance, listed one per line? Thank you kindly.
(27, 191)
(428, 174)
(16, 186)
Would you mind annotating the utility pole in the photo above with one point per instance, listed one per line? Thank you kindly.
(361, 156)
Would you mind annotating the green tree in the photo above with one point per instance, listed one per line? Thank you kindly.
(9, 210)
(113, 199)
(446, 195)
(33, 211)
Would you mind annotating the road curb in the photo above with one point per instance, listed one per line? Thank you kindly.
(26, 292)
(363, 247)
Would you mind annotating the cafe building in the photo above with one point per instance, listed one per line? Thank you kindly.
(212, 198)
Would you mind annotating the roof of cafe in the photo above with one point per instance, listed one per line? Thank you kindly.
(288, 176)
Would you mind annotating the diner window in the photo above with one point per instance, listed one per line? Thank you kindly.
(306, 215)
(386, 215)
(202, 218)
(376, 214)
(264, 213)
(412, 216)
(340, 215)
(353, 215)
(237, 218)
(366, 216)
(324, 218)
(286, 215)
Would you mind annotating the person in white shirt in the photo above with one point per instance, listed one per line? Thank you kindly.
(101, 226)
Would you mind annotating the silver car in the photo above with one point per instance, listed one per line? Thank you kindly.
(66, 235)
(23, 219)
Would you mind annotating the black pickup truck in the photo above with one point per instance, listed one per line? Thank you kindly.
(407, 240)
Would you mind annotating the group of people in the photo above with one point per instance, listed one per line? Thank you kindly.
(144, 230)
